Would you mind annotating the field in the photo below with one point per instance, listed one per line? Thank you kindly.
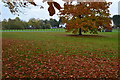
(38, 30)
(59, 55)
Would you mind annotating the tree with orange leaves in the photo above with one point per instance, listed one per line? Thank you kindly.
(86, 17)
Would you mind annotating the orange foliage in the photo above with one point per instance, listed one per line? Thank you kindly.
(51, 7)
(88, 16)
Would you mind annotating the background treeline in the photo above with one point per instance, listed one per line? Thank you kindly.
(31, 24)
(42, 24)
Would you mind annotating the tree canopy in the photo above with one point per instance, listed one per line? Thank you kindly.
(86, 17)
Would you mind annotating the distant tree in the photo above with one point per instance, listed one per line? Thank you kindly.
(19, 23)
(54, 22)
(116, 20)
(34, 23)
(14, 24)
(25, 24)
(46, 21)
(17, 19)
(39, 24)
(31, 24)
(11, 24)
(4, 24)
(46, 26)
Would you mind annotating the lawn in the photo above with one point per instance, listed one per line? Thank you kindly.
(59, 55)
(37, 30)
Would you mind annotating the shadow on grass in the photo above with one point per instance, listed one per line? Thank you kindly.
(87, 36)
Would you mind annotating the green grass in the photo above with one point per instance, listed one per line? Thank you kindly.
(60, 41)
(59, 29)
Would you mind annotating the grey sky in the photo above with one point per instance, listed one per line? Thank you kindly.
(36, 12)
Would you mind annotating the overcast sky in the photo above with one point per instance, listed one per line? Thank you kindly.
(36, 12)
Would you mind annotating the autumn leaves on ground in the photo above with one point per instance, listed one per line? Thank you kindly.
(57, 55)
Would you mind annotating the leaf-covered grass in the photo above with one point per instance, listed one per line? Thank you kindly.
(59, 55)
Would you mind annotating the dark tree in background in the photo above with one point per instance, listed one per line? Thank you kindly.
(33, 23)
(116, 20)
(54, 22)
(13, 24)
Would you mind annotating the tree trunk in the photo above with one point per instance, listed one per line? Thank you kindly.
(80, 31)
